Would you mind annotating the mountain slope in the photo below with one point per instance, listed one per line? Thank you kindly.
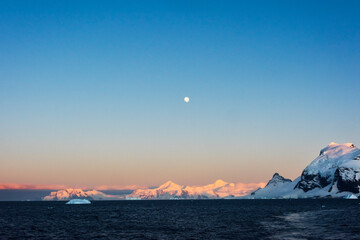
(168, 190)
(68, 194)
(334, 173)
(321, 172)
(277, 187)
(218, 189)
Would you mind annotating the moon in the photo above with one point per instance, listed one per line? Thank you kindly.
(186, 99)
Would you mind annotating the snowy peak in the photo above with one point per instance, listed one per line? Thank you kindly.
(68, 194)
(277, 187)
(334, 150)
(330, 158)
(219, 183)
(344, 144)
(218, 189)
(321, 172)
(169, 185)
(277, 179)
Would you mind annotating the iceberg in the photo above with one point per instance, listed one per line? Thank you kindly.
(79, 201)
(350, 196)
(133, 198)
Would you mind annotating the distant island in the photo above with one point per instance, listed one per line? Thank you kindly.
(335, 173)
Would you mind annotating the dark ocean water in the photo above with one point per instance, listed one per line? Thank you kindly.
(187, 219)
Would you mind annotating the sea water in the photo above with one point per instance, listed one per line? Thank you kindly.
(183, 219)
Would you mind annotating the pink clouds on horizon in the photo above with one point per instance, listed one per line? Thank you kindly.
(9, 186)
(16, 186)
(119, 187)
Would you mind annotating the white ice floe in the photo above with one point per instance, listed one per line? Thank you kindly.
(350, 196)
(78, 201)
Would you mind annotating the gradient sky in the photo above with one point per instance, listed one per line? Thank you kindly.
(91, 92)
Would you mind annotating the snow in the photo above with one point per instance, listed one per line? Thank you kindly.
(277, 189)
(350, 196)
(354, 164)
(330, 158)
(79, 201)
(70, 193)
(66, 194)
(218, 189)
(133, 198)
(344, 157)
(349, 174)
(97, 195)
(287, 191)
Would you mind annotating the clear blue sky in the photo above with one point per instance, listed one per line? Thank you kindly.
(91, 92)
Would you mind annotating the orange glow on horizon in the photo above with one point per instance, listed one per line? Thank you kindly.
(15, 186)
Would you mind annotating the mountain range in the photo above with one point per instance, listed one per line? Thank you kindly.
(168, 190)
(70, 193)
(334, 173)
(218, 189)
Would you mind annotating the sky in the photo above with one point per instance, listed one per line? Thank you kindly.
(92, 92)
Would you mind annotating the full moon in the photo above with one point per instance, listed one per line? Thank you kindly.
(186, 99)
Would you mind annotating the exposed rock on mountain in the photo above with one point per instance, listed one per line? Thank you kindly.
(277, 179)
(347, 177)
(277, 187)
(321, 172)
(334, 173)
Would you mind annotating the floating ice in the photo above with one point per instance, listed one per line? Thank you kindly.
(79, 201)
(350, 196)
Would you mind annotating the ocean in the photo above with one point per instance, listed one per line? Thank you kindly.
(183, 219)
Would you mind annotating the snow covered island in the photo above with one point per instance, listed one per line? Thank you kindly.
(334, 173)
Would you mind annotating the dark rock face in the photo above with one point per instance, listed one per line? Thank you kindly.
(277, 179)
(347, 180)
(310, 181)
(320, 173)
(254, 192)
(185, 194)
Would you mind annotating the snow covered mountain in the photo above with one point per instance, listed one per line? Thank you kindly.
(68, 194)
(218, 189)
(168, 190)
(277, 180)
(334, 173)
